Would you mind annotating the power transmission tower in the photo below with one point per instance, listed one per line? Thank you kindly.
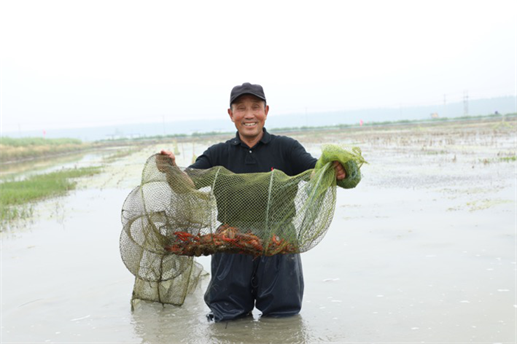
(444, 105)
(465, 103)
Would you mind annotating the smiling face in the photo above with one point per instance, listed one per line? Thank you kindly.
(249, 114)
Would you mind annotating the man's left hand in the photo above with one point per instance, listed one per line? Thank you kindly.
(340, 170)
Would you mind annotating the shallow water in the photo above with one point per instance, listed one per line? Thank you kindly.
(21, 170)
(406, 260)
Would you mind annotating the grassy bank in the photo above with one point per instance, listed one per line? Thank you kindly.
(17, 149)
(401, 123)
(16, 197)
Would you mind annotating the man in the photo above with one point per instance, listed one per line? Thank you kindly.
(241, 282)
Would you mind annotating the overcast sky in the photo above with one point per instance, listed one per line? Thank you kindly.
(84, 63)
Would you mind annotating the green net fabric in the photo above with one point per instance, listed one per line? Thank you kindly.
(178, 213)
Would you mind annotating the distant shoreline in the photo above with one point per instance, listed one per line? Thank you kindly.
(14, 152)
(186, 125)
(306, 129)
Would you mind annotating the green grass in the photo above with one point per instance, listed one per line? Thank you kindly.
(508, 158)
(434, 152)
(37, 141)
(499, 159)
(18, 149)
(121, 153)
(16, 196)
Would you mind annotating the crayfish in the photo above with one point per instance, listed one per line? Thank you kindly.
(226, 239)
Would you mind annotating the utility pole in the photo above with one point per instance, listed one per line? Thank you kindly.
(465, 103)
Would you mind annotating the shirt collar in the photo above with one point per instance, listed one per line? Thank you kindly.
(266, 138)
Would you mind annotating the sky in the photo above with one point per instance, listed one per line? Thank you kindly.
(67, 64)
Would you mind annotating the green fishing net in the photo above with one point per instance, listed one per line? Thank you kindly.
(177, 213)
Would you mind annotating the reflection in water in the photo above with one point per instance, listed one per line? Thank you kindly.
(46, 165)
(260, 330)
(155, 323)
(7, 170)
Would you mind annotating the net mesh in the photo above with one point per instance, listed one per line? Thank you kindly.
(177, 213)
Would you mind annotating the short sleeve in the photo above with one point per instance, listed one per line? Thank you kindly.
(203, 161)
(300, 159)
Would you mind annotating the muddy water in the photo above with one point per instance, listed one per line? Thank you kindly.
(423, 250)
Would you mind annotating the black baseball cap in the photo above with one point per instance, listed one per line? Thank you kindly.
(247, 88)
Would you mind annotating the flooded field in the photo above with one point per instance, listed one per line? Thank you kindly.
(423, 250)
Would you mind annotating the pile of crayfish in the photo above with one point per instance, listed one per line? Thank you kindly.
(227, 239)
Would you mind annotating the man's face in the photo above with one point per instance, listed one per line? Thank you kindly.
(249, 115)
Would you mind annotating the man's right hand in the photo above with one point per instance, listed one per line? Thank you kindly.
(164, 159)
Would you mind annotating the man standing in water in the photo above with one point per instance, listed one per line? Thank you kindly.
(241, 282)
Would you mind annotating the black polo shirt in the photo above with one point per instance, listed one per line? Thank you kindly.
(272, 151)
